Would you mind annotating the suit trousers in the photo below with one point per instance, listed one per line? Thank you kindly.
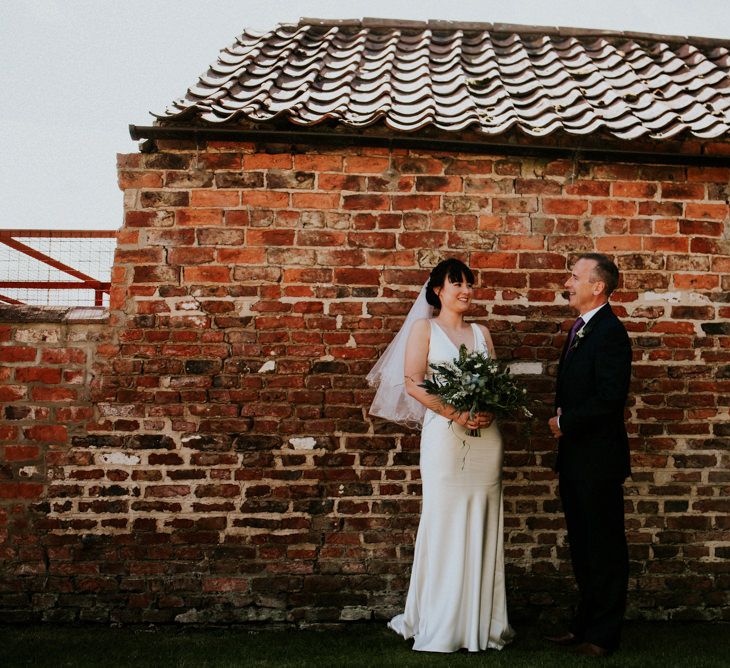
(594, 514)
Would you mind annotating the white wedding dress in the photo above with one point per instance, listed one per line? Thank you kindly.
(456, 598)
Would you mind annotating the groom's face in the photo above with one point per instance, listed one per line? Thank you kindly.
(583, 290)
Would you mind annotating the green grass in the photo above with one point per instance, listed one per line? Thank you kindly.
(645, 644)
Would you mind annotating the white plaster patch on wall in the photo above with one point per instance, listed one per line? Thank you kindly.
(82, 313)
(676, 297)
(189, 617)
(120, 459)
(351, 343)
(338, 321)
(268, 365)
(326, 358)
(353, 613)
(118, 410)
(188, 305)
(307, 443)
(28, 471)
(525, 368)
(46, 334)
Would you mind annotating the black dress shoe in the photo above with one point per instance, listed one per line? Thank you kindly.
(589, 649)
(564, 639)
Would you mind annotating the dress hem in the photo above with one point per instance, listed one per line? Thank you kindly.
(490, 645)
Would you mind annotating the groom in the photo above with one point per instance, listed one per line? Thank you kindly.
(593, 455)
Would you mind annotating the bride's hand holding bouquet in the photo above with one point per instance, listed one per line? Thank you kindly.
(475, 385)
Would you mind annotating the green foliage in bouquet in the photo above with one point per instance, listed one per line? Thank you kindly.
(473, 382)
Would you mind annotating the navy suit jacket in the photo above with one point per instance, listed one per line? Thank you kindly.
(592, 387)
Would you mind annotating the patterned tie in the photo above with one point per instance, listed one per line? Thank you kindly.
(573, 331)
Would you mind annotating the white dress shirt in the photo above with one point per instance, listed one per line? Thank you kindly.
(587, 316)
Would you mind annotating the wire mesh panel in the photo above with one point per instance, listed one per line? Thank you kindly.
(56, 267)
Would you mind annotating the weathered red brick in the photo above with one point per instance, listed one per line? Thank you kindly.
(703, 228)
(165, 491)
(190, 255)
(40, 393)
(670, 244)
(46, 433)
(341, 182)
(255, 256)
(10, 393)
(198, 217)
(542, 261)
(226, 584)
(563, 207)
(267, 199)
(320, 238)
(139, 179)
(696, 281)
(521, 242)
(366, 202)
(267, 161)
(319, 201)
(421, 239)
(17, 354)
(21, 453)
(365, 165)
(438, 183)
(706, 210)
(155, 274)
(676, 190)
(207, 274)
(513, 205)
(318, 163)
(153, 219)
(666, 227)
(20, 490)
(415, 202)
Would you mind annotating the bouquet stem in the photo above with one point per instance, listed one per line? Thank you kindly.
(474, 432)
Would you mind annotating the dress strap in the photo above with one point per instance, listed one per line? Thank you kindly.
(479, 340)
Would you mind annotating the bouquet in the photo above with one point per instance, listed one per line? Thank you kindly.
(473, 382)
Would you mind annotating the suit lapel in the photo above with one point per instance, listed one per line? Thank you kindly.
(565, 358)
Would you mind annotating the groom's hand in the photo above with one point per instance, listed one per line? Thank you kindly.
(554, 426)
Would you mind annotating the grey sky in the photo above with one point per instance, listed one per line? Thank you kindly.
(76, 73)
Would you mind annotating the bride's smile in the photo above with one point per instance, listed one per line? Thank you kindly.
(456, 295)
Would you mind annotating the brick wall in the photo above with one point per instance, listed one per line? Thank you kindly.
(48, 359)
(230, 471)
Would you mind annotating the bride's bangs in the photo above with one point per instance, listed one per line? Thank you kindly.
(458, 271)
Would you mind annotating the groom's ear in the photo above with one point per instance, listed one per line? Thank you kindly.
(599, 287)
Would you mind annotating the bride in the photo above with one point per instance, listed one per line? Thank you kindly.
(456, 597)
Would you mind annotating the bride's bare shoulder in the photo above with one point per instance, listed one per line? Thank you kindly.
(484, 328)
(422, 327)
(487, 337)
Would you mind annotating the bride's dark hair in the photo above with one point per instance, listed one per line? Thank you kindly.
(455, 269)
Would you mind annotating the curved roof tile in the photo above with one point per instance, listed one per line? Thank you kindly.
(410, 75)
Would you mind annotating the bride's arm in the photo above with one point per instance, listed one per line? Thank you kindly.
(416, 365)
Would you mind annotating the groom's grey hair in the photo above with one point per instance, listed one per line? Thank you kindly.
(605, 270)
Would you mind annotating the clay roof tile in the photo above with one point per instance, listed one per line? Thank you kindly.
(454, 75)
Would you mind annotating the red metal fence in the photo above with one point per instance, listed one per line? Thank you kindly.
(56, 267)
